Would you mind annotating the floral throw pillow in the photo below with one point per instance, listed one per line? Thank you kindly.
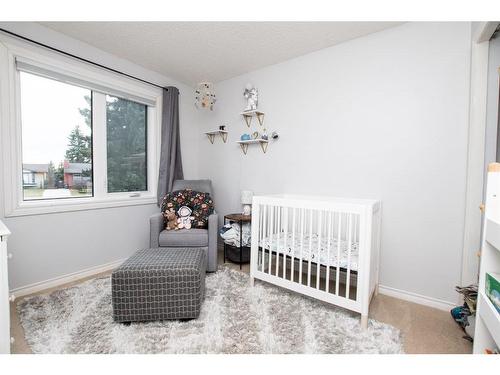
(200, 203)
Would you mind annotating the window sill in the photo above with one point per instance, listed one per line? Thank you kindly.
(77, 204)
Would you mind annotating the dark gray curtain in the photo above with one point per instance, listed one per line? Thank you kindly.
(170, 156)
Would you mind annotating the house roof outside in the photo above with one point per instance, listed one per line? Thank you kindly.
(77, 167)
(36, 168)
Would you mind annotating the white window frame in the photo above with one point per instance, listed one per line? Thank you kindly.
(11, 135)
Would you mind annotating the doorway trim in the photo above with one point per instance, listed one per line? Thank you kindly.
(475, 149)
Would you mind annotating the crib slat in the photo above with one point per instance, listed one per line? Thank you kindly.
(310, 247)
(318, 257)
(339, 239)
(293, 244)
(302, 224)
(278, 233)
(285, 234)
(265, 234)
(349, 245)
(271, 230)
(329, 243)
(260, 236)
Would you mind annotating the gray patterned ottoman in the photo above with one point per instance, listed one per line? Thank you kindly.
(158, 284)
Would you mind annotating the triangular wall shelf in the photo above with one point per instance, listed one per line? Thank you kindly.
(244, 144)
(211, 135)
(248, 115)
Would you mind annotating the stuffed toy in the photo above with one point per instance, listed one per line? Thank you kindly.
(185, 218)
(170, 220)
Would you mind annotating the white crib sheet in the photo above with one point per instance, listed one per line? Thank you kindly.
(295, 251)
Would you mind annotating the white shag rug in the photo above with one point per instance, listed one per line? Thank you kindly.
(235, 318)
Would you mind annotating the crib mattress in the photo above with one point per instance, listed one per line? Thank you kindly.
(293, 246)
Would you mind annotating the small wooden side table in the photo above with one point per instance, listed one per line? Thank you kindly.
(240, 219)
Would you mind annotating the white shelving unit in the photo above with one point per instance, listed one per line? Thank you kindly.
(487, 334)
(5, 299)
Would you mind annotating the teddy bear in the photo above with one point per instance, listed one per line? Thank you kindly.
(171, 220)
(185, 218)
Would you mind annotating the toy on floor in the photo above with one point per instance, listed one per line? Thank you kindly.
(465, 315)
(185, 218)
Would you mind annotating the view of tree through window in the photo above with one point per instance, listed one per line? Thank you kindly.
(56, 139)
(126, 145)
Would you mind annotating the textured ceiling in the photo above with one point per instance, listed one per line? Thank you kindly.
(192, 52)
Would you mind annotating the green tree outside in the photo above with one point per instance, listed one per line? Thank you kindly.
(126, 144)
(59, 173)
(79, 148)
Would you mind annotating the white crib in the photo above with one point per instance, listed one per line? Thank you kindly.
(325, 248)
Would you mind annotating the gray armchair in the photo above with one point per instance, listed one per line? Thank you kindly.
(195, 237)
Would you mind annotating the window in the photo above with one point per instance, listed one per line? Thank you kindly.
(77, 137)
(126, 145)
(56, 139)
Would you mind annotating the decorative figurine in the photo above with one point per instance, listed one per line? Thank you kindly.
(252, 96)
(264, 135)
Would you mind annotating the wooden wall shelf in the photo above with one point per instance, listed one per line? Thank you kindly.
(248, 115)
(244, 144)
(222, 133)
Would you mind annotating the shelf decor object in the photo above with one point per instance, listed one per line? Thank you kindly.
(205, 96)
(487, 332)
(251, 94)
(244, 144)
(493, 289)
(248, 115)
(222, 133)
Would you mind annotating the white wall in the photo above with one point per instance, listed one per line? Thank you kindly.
(53, 245)
(384, 116)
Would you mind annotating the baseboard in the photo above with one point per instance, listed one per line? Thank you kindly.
(65, 279)
(416, 298)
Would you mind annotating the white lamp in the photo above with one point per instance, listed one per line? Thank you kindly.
(246, 201)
